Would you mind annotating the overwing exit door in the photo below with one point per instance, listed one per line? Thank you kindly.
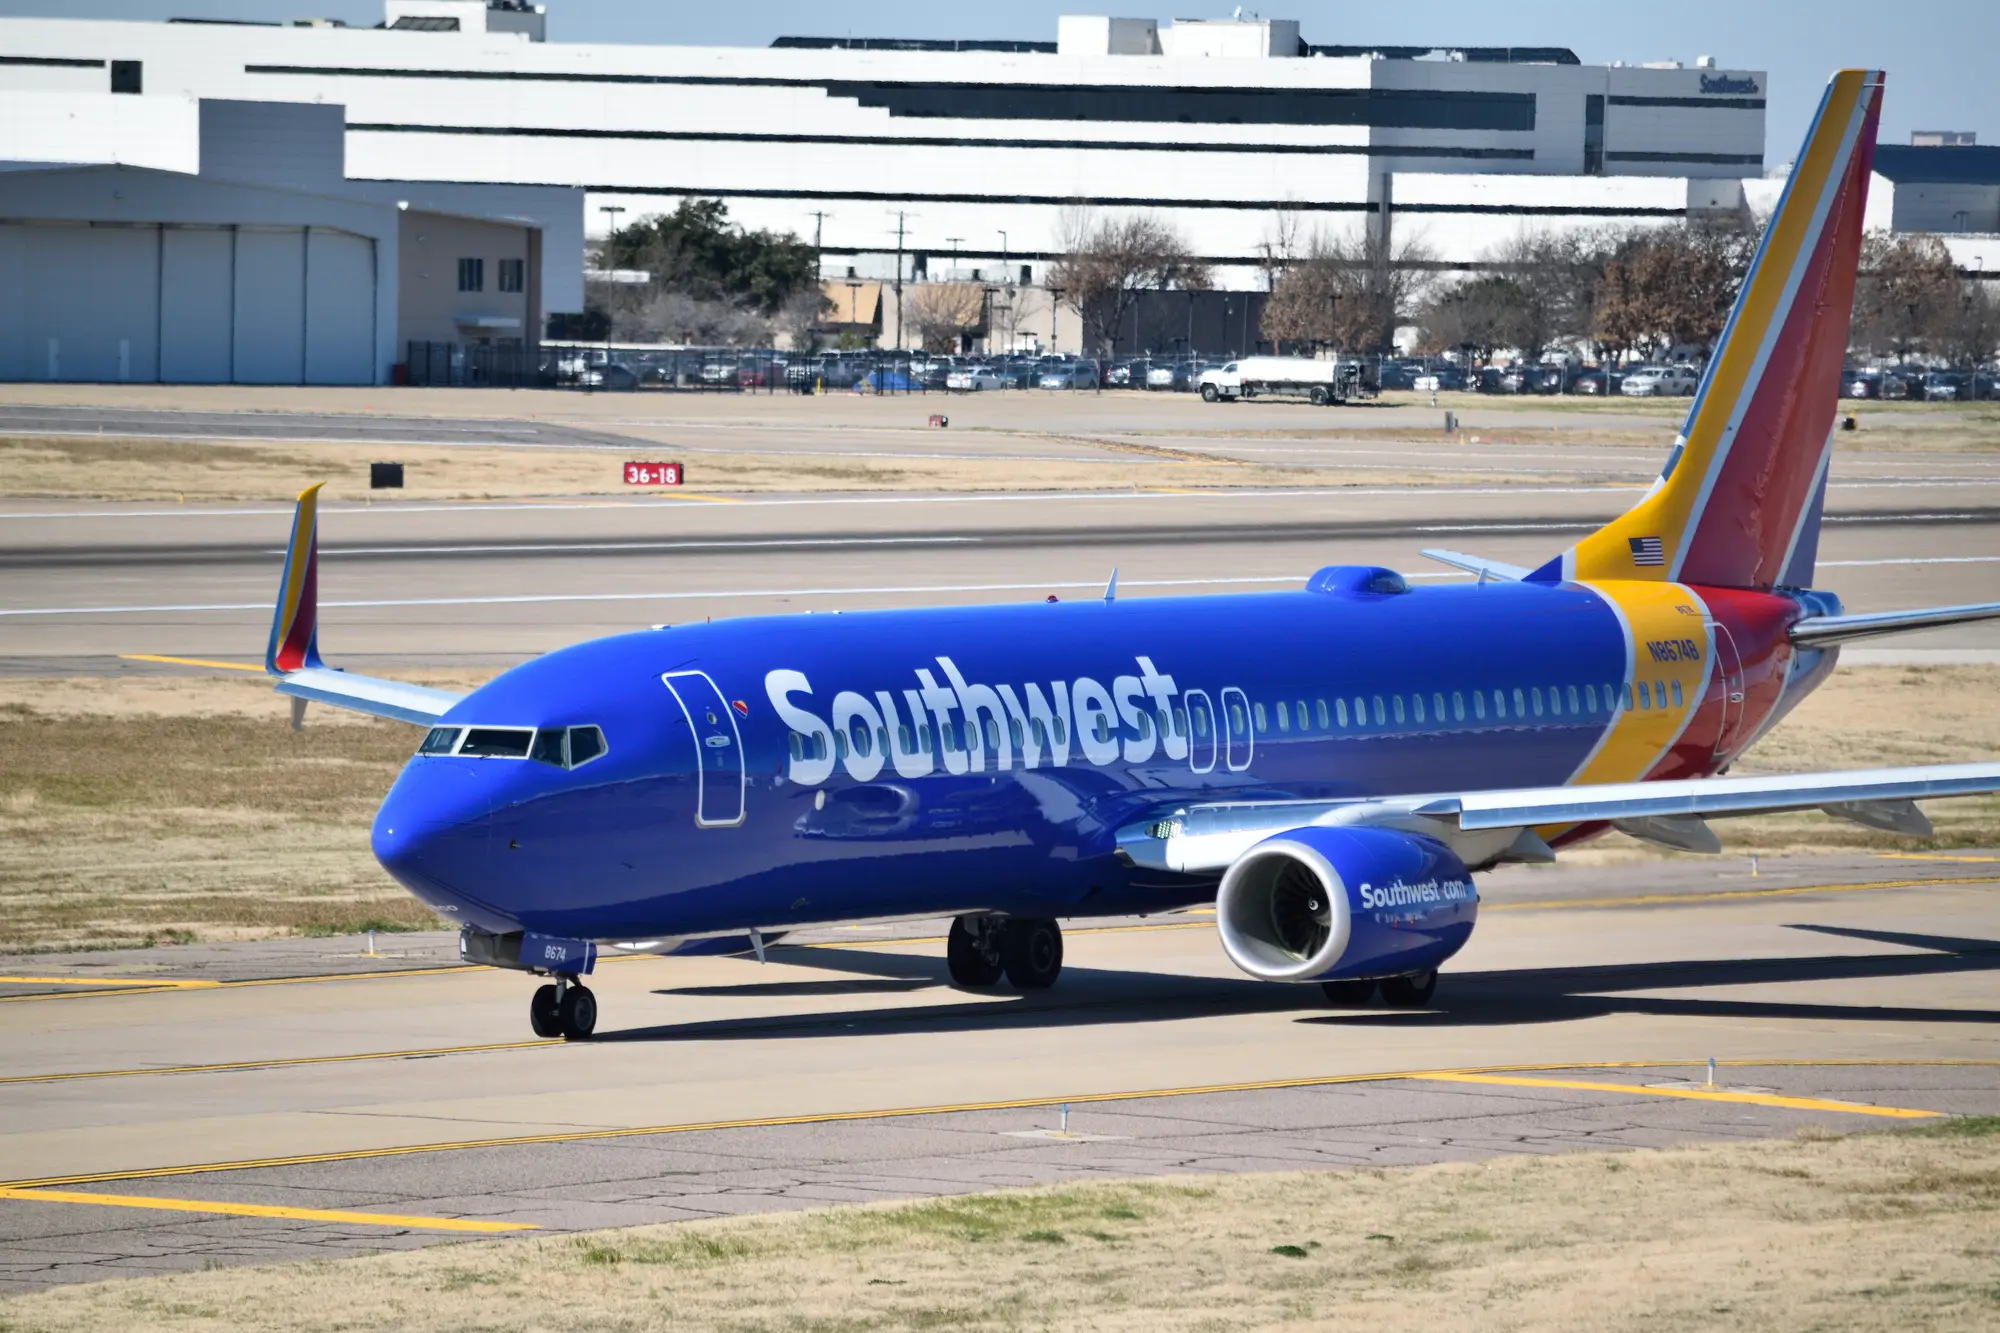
(718, 748)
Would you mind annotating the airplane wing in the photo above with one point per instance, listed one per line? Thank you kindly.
(1207, 839)
(293, 652)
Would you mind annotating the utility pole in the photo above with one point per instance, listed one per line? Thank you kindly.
(819, 221)
(899, 281)
(954, 240)
(611, 212)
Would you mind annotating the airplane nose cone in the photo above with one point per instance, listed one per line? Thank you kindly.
(432, 834)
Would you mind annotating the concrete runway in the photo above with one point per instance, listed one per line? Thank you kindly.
(251, 1103)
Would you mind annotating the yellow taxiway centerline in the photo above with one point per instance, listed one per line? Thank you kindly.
(1692, 1094)
(282, 1062)
(190, 661)
(1022, 1103)
(263, 1210)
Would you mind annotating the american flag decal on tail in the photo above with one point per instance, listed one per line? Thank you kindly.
(1647, 551)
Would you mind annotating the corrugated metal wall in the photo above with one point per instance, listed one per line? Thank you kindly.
(205, 305)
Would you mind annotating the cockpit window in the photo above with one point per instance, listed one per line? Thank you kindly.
(440, 740)
(567, 747)
(497, 742)
(585, 744)
(548, 746)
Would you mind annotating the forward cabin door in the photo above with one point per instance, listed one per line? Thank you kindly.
(718, 748)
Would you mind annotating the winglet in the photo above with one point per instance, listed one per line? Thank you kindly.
(295, 620)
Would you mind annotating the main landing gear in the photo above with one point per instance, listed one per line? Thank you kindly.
(565, 1008)
(983, 947)
(1408, 992)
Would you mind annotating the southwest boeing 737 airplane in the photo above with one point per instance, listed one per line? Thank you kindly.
(1328, 765)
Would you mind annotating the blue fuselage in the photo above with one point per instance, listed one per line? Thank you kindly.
(775, 770)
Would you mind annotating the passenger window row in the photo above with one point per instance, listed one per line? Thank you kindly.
(1378, 712)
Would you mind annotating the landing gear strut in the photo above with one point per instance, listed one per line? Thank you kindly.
(972, 950)
(565, 1008)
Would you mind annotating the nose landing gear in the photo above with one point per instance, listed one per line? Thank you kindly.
(565, 1009)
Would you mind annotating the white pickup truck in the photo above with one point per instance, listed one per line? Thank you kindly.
(1321, 382)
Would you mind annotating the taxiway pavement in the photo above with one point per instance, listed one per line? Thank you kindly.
(313, 1114)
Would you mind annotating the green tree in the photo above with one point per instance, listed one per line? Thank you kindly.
(696, 251)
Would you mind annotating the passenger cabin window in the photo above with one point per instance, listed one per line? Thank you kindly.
(1659, 694)
(1284, 716)
(497, 742)
(1324, 724)
(1677, 694)
(1257, 712)
(1340, 711)
(440, 740)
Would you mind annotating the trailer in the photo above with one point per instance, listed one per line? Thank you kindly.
(1321, 382)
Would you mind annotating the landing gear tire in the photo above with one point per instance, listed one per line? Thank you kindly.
(972, 952)
(578, 1012)
(1411, 992)
(544, 1014)
(1349, 994)
(1031, 951)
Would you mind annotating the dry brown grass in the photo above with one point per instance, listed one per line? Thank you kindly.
(158, 808)
(1828, 1233)
(196, 471)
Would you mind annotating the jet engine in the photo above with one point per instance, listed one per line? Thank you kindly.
(1334, 903)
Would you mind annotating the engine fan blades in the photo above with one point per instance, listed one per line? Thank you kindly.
(1301, 915)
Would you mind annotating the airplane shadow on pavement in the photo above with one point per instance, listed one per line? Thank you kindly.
(1094, 996)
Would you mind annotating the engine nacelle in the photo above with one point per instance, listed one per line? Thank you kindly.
(1326, 903)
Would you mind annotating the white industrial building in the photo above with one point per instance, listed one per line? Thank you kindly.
(902, 159)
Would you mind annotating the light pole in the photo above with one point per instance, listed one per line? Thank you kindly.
(1004, 263)
(1055, 299)
(954, 240)
(611, 212)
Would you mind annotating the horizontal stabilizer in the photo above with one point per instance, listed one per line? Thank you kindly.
(392, 699)
(1823, 630)
(1474, 564)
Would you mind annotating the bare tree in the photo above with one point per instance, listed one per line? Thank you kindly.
(646, 314)
(1669, 286)
(802, 315)
(1345, 292)
(1908, 294)
(1479, 315)
(939, 312)
(1106, 263)
(1280, 246)
(1970, 335)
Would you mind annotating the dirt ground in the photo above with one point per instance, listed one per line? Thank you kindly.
(1876, 1232)
(162, 809)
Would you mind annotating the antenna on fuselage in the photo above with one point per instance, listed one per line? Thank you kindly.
(1111, 588)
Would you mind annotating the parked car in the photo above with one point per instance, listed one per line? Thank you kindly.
(1179, 376)
(1659, 382)
(971, 379)
(1597, 382)
(1860, 383)
(1068, 375)
(613, 376)
(1437, 379)
(1946, 386)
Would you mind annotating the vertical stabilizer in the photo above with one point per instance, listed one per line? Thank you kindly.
(295, 621)
(1738, 502)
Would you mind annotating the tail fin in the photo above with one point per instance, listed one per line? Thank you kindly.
(1738, 502)
(295, 622)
